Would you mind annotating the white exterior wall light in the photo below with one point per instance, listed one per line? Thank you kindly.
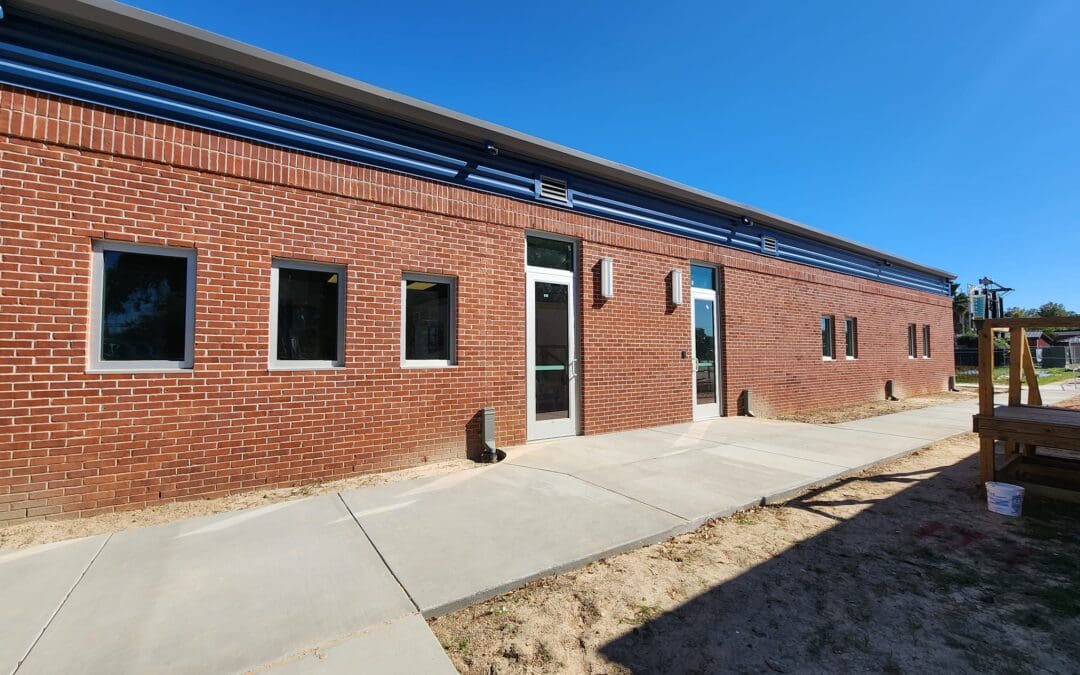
(676, 287)
(607, 277)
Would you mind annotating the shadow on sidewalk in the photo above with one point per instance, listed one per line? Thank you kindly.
(925, 579)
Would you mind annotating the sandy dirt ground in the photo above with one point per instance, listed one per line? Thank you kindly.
(24, 534)
(897, 570)
(875, 408)
(1070, 403)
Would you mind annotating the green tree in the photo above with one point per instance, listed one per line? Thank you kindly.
(1053, 309)
(1018, 312)
(1049, 310)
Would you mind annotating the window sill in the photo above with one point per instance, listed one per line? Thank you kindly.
(422, 365)
(280, 367)
(140, 371)
(850, 358)
(827, 358)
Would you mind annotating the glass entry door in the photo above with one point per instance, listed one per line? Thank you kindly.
(552, 361)
(706, 354)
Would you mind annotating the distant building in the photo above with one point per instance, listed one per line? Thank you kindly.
(1038, 339)
(1063, 338)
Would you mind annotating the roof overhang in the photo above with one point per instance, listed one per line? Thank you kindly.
(150, 30)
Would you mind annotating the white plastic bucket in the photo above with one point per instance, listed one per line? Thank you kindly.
(1003, 498)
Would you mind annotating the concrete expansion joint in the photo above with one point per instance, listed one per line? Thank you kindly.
(379, 553)
(62, 602)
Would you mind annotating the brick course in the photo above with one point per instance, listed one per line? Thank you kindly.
(79, 442)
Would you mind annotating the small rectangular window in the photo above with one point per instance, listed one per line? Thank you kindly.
(428, 321)
(827, 333)
(554, 254)
(307, 315)
(851, 337)
(911, 352)
(702, 277)
(142, 307)
(926, 342)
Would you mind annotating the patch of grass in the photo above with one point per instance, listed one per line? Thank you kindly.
(643, 613)
(1001, 375)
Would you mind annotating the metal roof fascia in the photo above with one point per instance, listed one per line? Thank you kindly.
(158, 32)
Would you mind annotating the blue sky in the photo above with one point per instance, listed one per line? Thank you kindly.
(944, 132)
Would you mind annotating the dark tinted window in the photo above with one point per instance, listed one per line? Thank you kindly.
(851, 337)
(827, 336)
(550, 253)
(307, 315)
(427, 320)
(702, 277)
(144, 307)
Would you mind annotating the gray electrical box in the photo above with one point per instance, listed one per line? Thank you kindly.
(490, 451)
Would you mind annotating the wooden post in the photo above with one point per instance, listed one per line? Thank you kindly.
(1017, 340)
(986, 370)
(1034, 395)
(986, 399)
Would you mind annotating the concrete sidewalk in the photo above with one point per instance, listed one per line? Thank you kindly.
(341, 583)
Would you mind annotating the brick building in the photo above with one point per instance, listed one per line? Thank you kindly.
(222, 269)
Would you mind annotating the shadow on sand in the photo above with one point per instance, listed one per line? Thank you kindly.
(924, 579)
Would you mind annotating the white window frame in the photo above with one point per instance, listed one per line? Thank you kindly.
(306, 364)
(406, 277)
(97, 290)
(854, 342)
(912, 346)
(831, 356)
(926, 341)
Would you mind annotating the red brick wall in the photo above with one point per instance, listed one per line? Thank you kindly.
(773, 340)
(73, 441)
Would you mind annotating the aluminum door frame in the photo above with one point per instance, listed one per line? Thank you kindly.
(542, 429)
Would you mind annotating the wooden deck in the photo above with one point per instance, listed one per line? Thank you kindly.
(1041, 443)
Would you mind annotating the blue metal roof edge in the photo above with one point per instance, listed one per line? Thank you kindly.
(75, 64)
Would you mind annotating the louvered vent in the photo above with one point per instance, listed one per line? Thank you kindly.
(553, 189)
(768, 245)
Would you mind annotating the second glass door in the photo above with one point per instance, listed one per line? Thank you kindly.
(706, 363)
(552, 376)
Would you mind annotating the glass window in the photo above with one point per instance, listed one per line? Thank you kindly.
(705, 350)
(307, 326)
(552, 355)
(143, 307)
(551, 253)
(851, 337)
(911, 340)
(827, 337)
(926, 342)
(702, 277)
(429, 317)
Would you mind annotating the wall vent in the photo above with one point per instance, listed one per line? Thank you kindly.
(768, 245)
(553, 189)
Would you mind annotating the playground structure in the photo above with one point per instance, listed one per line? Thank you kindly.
(1041, 444)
